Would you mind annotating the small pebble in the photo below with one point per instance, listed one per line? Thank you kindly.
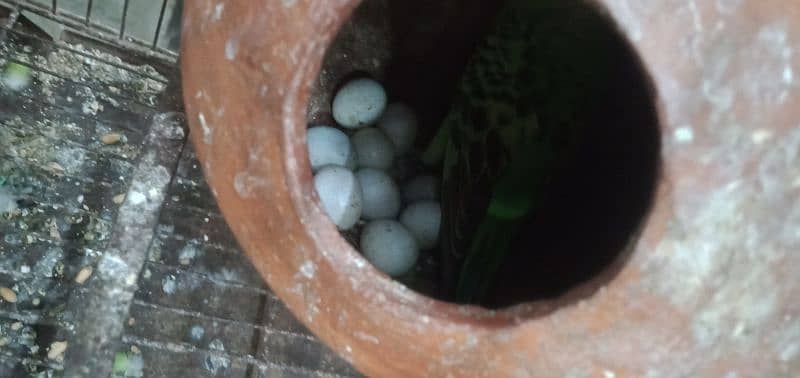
(57, 349)
(137, 198)
(380, 196)
(83, 274)
(423, 219)
(329, 146)
(16, 326)
(359, 103)
(36, 301)
(119, 199)
(135, 349)
(373, 148)
(111, 138)
(131, 321)
(400, 124)
(389, 246)
(421, 188)
(196, 332)
(8, 295)
(340, 195)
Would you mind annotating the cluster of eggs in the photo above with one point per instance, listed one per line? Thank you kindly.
(351, 167)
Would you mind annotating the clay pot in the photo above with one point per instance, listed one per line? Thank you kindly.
(709, 286)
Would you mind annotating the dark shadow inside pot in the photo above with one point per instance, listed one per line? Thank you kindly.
(598, 197)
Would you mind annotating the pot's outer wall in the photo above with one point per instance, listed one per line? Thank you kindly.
(711, 288)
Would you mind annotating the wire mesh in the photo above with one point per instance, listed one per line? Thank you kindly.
(154, 29)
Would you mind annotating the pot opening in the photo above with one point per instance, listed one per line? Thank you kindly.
(590, 163)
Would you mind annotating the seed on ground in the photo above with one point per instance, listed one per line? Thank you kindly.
(119, 198)
(8, 295)
(57, 349)
(55, 168)
(111, 138)
(83, 274)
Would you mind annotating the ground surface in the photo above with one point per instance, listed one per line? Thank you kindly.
(198, 308)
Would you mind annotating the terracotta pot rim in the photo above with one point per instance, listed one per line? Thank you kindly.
(679, 303)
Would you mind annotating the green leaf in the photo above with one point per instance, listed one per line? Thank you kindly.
(120, 364)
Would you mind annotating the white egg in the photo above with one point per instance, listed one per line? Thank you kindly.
(389, 246)
(373, 148)
(340, 194)
(423, 219)
(400, 124)
(421, 188)
(329, 146)
(380, 195)
(359, 103)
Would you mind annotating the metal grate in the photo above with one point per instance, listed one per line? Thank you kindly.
(197, 307)
(156, 34)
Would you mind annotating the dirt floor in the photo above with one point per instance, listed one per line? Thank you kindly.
(79, 158)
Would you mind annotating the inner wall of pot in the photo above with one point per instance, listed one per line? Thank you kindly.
(596, 201)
